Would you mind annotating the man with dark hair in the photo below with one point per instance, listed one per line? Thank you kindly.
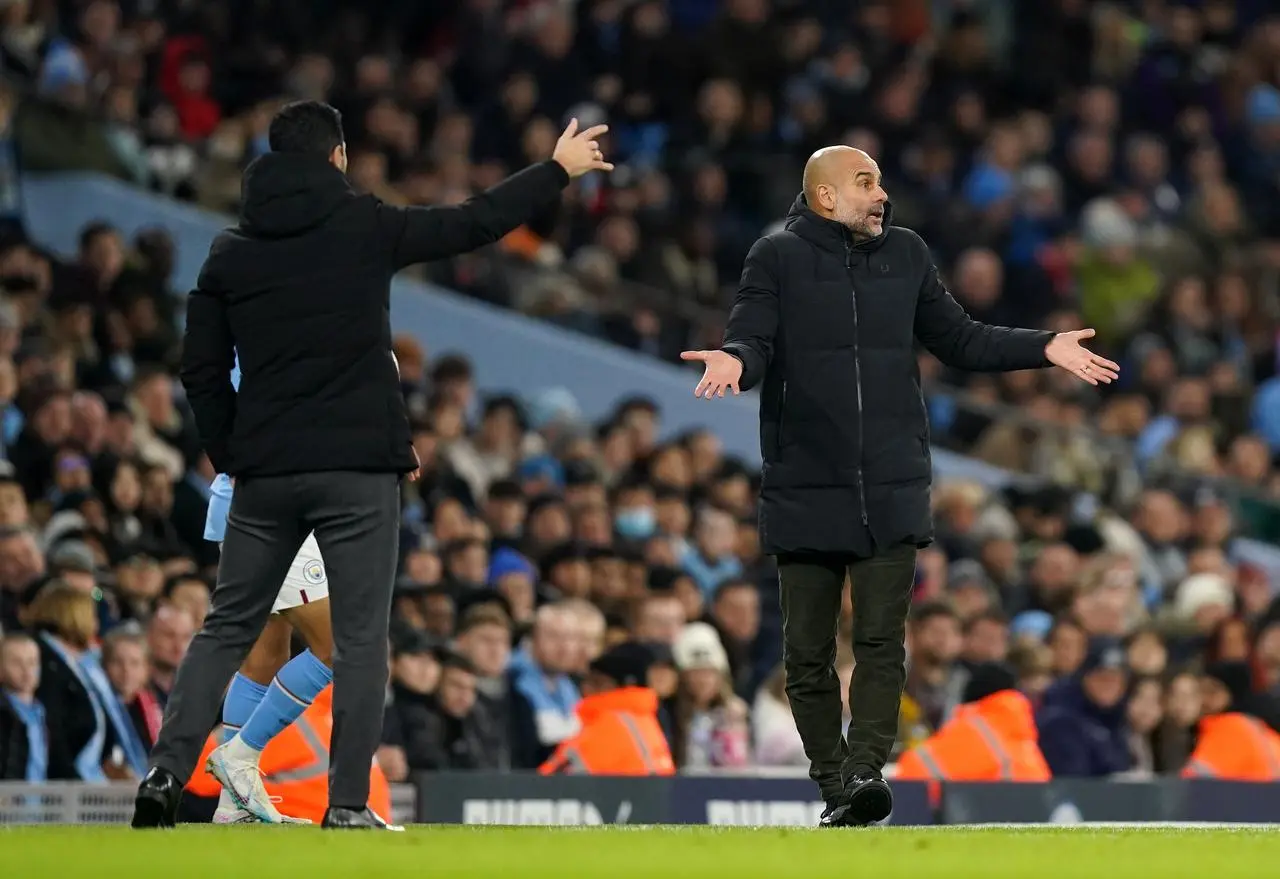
(296, 296)
(307, 127)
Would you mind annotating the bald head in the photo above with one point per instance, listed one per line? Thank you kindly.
(842, 183)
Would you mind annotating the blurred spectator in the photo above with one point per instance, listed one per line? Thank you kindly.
(711, 726)
(24, 735)
(934, 678)
(1082, 723)
(619, 730)
(773, 729)
(544, 697)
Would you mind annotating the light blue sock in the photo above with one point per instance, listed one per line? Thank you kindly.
(243, 698)
(295, 687)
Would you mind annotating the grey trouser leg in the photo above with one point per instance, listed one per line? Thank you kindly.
(810, 589)
(263, 536)
(882, 587)
(356, 518)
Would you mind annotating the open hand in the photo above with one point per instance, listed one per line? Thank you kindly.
(1065, 351)
(579, 151)
(722, 372)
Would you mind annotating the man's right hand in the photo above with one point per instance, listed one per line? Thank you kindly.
(722, 372)
(579, 152)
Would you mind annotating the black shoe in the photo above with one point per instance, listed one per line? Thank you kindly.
(157, 802)
(833, 812)
(338, 818)
(864, 800)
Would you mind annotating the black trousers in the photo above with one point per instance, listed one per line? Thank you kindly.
(811, 588)
(356, 519)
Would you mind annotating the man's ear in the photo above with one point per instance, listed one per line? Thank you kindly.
(338, 158)
(826, 197)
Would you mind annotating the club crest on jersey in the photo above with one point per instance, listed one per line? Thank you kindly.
(313, 571)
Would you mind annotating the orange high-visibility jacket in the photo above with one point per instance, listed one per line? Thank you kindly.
(1235, 747)
(620, 736)
(295, 766)
(993, 739)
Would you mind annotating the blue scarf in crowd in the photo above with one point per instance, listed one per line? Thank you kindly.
(89, 761)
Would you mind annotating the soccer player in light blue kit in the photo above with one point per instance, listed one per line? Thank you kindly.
(271, 690)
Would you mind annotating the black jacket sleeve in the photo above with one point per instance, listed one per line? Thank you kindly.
(208, 355)
(957, 340)
(753, 321)
(422, 234)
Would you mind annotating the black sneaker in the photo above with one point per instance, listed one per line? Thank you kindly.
(865, 800)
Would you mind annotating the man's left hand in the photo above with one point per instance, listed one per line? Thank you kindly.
(1066, 352)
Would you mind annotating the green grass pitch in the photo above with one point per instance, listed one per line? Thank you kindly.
(616, 853)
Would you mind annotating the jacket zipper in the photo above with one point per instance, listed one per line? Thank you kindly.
(857, 377)
(782, 420)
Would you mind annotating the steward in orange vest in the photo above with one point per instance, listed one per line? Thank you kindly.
(1232, 744)
(991, 737)
(295, 766)
(620, 731)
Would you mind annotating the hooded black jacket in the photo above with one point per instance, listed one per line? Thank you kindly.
(827, 327)
(300, 290)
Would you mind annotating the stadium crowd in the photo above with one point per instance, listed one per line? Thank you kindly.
(1106, 164)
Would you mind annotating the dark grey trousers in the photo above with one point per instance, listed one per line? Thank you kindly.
(811, 588)
(356, 519)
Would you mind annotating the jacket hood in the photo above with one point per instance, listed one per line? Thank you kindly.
(285, 194)
(1008, 711)
(803, 221)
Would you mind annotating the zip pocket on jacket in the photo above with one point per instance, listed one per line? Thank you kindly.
(779, 442)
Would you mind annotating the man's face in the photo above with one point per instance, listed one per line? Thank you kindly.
(554, 642)
(470, 565)
(20, 667)
(660, 621)
(855, 197)
(987, 641)
(53, 421)
(518, 589)
(127, 669)
(1105, 687)
(416, 672)
(13, 505)
(193, 597)
(573, 578)
(717, 535)
(505, 516)
(140, 578)
(488, 647)
(737, 611)
(20, 561)
(457, 693)
(937, 640)
(168, 637)
(120, 433)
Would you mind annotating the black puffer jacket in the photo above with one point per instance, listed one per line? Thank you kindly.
(300, 289)
(828, 328)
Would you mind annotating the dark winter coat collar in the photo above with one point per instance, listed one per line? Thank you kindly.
(828, 234)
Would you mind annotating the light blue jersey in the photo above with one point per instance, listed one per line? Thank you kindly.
(215, 523)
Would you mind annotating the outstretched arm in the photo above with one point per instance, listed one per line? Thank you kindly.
(741, 362)
(422, 234)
